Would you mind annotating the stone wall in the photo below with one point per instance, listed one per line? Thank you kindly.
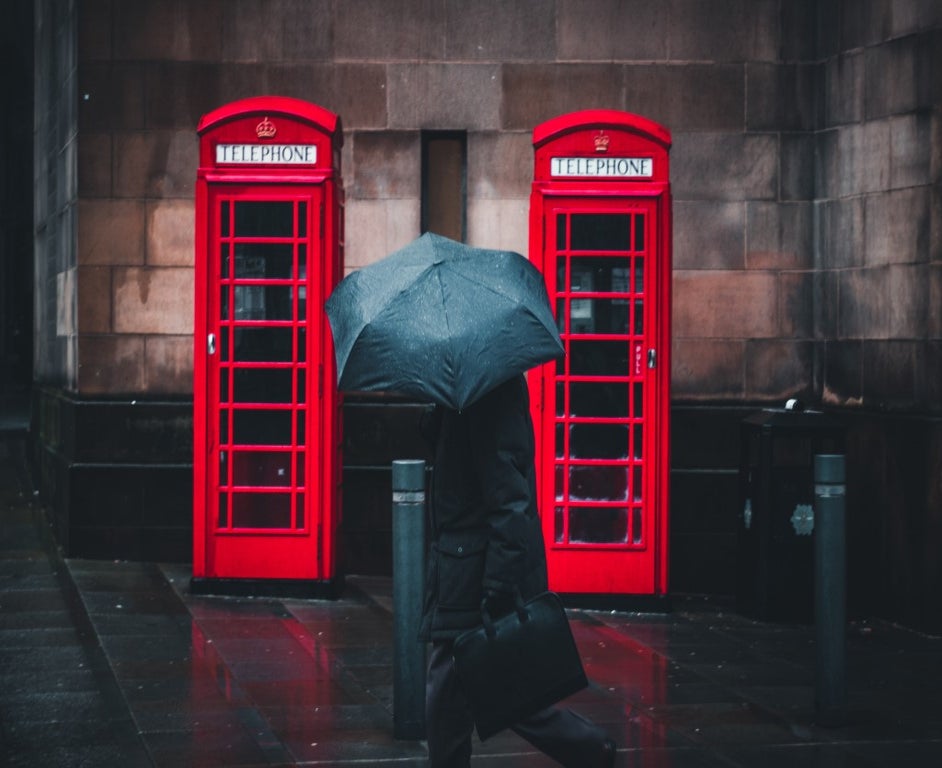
(55, 194)
(16, 207)
(879, 206)
(805, 173)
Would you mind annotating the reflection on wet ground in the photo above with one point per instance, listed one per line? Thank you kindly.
(114, 663)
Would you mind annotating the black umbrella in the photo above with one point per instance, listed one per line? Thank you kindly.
(441, 320)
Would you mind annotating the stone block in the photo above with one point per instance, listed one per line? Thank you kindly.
(386, 165)
(111, 96)
(724, 166)
(308, 81)
(725, 304)
(781, 97)
(934, 328)
(863, 159)
(66, 305)
(444, 96)
(535, 93)
(94, 165)
(889, 302)
(843, 373)
(500, 165)
(94, 300)
(777, 369)
(687, 97)
(359, 97)
(708, 235)
(843, 233)
(844, 88)
(892, 371)
(307, 33)
(797, 166)
(178, 94)
(891, 77)
(376, 228)
(170, 233)
(110, 232)
(724, 30)
(110, 365)
(264, 30)
(169, 29)
(155, 164)
(612, 30)
(95, 31)
(796, 305)
(897, 227)
(934, 378)
(799, 18)
(168, 365)
(408, 30)
(877, 20)
(911, 150)
(703, 369)
(495, 30)
(501, 224)
(826, 179)
(779, 235)
(153, 300)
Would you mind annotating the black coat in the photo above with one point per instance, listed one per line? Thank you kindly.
(484, 524)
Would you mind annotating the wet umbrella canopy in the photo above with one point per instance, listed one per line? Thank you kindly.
(442, 321)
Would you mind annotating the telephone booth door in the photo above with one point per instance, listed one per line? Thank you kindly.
(600, 232)
(266, 427)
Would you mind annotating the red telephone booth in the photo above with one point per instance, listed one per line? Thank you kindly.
(266, 423)
(600, 231)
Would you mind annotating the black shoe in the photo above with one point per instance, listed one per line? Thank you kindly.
(609, 750)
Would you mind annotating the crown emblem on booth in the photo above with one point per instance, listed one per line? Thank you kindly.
(265, 129)
(601, 142)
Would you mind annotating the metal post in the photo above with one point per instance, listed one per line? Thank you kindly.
(408, 534)
(830, 589)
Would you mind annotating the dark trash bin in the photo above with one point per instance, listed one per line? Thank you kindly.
(775, 544)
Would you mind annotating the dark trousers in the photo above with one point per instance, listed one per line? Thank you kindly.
(566, 737)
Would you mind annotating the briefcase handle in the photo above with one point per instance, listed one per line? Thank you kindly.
(519, 607)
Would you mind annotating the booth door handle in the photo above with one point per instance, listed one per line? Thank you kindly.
(211, 344)
(652, 358)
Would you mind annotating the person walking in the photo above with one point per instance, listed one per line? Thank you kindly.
(486, 542)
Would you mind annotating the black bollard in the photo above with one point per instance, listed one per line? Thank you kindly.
(830, 590)
(408, 534)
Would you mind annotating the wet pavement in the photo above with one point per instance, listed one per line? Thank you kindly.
(116, 664)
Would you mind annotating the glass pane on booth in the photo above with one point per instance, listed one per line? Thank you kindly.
(261, 510)
(263, 385)
(265, 261)
(598, 441)
(264, 218)
(261, 427)
(273, 345)
(598, 525)
(598, 358)
(601, 231)
(265, 468)
(606, 316)
(597, 398)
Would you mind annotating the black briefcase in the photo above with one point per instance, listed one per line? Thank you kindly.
(518, 664)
